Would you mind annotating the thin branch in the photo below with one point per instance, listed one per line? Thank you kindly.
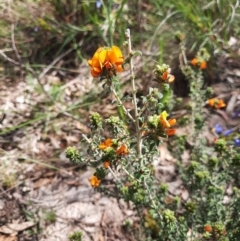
(120, 103)
(14, 45)
(54, 62)
(8, 59)
(114, 175)
(139, 139)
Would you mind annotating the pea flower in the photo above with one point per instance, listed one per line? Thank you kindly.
(122, 150)
(194, 61)
(216, 103)
(218, 129)
(163, 74)
(227, 132)
(106, 60)
(170, 132)
(105, 144)
(94, 181)
(237, 142)
(106, 164)
(166, 124)
(167, 77)
(208, 228)
(201, 64)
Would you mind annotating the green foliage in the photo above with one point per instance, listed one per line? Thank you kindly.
(76, 236)
(8, 181)
(50, 216)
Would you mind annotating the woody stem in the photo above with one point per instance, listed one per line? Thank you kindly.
(121, 104)
(139, 139)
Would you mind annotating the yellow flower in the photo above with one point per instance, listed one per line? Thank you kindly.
(122, 150)
(94, 181)
(105, 58)
(216, 103)
(166, 123)
(104, 145)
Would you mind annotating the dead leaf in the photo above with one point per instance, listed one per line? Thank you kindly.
(7, 238)
(14, 228)
(42, 182)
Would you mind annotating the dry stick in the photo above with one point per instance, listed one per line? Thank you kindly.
(54, 62)
(139, 140)
(8, 59)
(14, 45)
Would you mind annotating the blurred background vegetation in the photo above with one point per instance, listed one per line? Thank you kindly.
(43, 30)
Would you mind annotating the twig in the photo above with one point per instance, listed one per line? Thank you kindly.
(54, 62)
(85, 137)
(8, 59)
(150, 195)
(139, 139)
(114, 175)
(14, 45)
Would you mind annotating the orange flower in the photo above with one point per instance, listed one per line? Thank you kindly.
(166, 124)
(216, 103)
(208, 228)
(94, 181)
(171, 132)
(122, 150)
(104, 145)
(106, 164)
(194, 61)
(106, 59)
(167, 77)
(203, 65)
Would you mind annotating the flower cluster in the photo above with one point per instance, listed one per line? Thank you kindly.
(201, 59)
(219, 131)
(161, 125)
(216, 103)
(106, 62)
(111, 149)
(163, 74)
(198, 62)
(121, 150)
(216, 230)
(94, 181)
